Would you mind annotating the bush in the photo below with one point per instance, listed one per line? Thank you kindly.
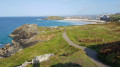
(110, 53)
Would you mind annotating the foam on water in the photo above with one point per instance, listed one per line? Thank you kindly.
(1, 45)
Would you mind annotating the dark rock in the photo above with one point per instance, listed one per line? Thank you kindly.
(8, 50)
(7, 45)
(22, 35)
(24, 32)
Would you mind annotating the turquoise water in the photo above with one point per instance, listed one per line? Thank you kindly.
(8, 24)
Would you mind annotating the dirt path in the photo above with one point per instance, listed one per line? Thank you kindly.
(90, 52)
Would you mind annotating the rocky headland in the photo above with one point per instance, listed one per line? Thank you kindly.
(54, 18)
(23, 37)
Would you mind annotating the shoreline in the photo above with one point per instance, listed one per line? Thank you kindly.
(86, 20)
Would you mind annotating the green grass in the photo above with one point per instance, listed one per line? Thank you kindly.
(64, 53)
(115, 15)
(54, 18)
(104, 32)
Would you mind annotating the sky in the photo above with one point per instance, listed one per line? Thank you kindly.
(57, 7)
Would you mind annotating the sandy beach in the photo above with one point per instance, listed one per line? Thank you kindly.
(86, 20)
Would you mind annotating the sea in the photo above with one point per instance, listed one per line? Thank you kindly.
(8, 24)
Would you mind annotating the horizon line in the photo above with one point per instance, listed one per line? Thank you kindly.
(50, 15)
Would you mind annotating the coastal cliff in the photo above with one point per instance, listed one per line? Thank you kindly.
(25, 36)
(22, 37)
(8, 50)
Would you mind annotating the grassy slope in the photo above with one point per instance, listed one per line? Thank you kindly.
(64, 53)
(104, 32)
(115, 15)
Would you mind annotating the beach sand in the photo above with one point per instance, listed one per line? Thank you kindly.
(86, 20)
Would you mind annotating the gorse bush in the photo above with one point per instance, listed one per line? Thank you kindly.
(110, 52)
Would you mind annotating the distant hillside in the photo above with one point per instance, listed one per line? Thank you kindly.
(54, 18)
(117, 15)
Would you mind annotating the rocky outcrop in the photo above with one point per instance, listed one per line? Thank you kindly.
(4, 51)
(41, 58)
(23, 36)
(24, 64)
(37, 59)
(8, 50)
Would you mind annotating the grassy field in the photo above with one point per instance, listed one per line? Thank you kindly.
(65, 55)
(104, 38)
(87, 35)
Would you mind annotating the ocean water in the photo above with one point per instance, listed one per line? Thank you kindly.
(8, 24)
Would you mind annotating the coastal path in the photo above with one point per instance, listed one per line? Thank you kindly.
(92, 54)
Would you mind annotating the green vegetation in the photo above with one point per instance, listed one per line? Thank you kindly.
(104, 38)
(110, 52)
(65, 55)
(96, 37)
(54, 18)
(88, 35)
(115, 17)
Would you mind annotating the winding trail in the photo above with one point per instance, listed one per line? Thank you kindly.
(92, 54)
